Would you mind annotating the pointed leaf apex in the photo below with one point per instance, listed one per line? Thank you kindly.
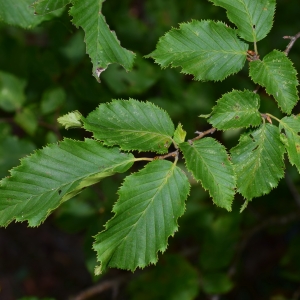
(71, 120)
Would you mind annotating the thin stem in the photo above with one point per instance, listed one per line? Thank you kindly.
(271, 116)
(255, 48)
(144, 158)
(291, 43)
(202, 134)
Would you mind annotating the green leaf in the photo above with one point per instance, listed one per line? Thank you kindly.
(254, 18)
(27, 120)
(277, 74)
(71, 120)
(132, 125)
(12, 94)
(53, 175)
(236, 109)
(11, 150)
(258, 161)
(146, 214)
(291, 126)
(173, 278)
(208, 50)
(52, 99)
(102, 44)
(42, 7)
(179, 134)
(209, 163)
(20, 13)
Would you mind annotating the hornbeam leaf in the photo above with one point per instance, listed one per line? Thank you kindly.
(209, 163)
(132, 125)
(102, 44)
(146, 214)
(258, 161)
(236, 109)
(277, 74)
(20, 13)
(55, 174)
(206, 49)
(291, 126)
(179, 134)
(253, 18)
(42, 7)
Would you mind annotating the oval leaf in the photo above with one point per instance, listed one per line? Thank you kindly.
(53, 175)
(236, 109)
(253, 18)
(277, 74)
(150, 203)
(258, 161)
(132, 125)
(291, 126)
(209, 163)
(102, 44)
(206, 49)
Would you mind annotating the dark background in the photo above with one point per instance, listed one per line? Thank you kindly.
(216, 254)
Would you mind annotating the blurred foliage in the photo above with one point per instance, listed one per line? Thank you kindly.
(45, 73)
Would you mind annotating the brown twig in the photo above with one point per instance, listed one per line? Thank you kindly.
(101, 287)
(171, 154)
(292, 39)
(202, 134)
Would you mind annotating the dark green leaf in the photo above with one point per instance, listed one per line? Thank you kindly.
(277, 74)
(102, 44)
(291, 139)
(258, 161)
(146, 215)
(42, 7)
(207, 50)
(254, 18)
(53, 175)
(208, 161)
(132, 125)
(236, 109)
